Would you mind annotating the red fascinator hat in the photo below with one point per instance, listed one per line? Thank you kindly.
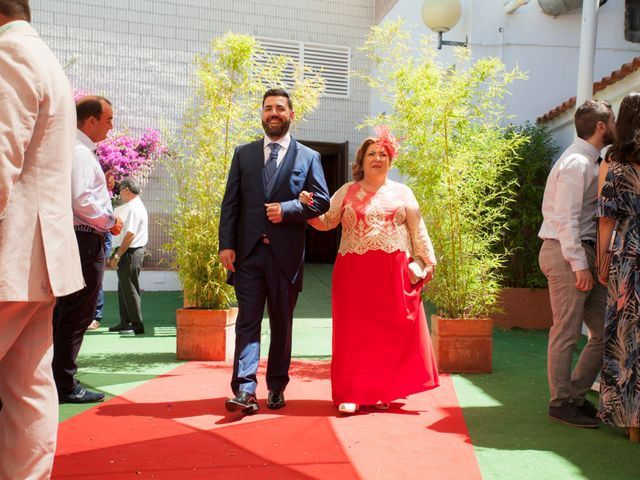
(386, 140)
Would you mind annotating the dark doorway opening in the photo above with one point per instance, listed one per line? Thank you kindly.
(322, 247)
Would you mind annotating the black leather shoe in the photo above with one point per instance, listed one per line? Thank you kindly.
(275, 400)
(131, 330)
(569, 414)
(588, 409)
(81, 395)
(244, 401)
(117, 328)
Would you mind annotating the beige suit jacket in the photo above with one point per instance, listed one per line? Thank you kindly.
(38, 248)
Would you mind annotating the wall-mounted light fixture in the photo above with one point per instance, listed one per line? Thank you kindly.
(441, 16)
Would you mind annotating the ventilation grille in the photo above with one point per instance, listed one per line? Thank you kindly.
(332, 63)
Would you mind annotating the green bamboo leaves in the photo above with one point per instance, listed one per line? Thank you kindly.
(455, 156)
(223, 113)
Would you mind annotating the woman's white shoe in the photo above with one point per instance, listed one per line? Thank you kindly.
(348, 407)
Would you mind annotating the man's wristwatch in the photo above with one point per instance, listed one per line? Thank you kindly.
(116, 256)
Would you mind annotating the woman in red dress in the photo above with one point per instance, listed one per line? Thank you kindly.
(381, 345)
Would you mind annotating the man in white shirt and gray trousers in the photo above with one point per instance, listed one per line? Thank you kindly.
(92, 217)
(567, 258)
(129, 248)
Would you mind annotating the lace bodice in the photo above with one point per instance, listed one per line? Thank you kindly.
(387, 220)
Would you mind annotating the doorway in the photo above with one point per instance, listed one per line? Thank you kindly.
(322, 247)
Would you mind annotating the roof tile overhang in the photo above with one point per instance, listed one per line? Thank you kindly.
(615, 76)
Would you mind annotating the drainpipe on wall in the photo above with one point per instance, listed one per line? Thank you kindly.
(588, 33)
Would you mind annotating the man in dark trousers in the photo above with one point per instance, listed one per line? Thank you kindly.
(93, 217)
(262, 227)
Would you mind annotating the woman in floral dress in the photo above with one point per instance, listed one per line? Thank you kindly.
(619, 209)
(381, 345)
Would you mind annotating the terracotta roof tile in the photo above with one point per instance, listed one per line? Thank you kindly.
(615, 76)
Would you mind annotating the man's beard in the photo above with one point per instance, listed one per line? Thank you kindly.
(608, 138)
(278, 131)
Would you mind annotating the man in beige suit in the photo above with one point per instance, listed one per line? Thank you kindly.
(38, 252)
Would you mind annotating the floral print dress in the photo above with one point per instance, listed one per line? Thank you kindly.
(620, 380)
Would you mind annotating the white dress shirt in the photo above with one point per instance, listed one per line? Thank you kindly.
(570, 202)
(284, 143)
(90, 198)
(136, 220)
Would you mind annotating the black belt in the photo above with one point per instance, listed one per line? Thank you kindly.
(128, 250)
(87, 229)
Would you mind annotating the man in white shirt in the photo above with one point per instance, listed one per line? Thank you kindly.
(38, 254)
(93, 217)
(129, 248)
(567, 258)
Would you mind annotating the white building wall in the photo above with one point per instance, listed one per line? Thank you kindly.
(139, 54)
(544, 47)
(562, 126)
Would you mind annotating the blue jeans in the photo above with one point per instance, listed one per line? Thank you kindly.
(107, 254)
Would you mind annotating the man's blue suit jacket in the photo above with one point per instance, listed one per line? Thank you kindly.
(243, 218)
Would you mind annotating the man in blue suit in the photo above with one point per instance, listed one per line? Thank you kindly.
(262, 227)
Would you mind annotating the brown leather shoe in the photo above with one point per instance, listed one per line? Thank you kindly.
(569, 414)
(588, 409)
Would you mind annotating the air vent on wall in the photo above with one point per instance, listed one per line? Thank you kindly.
(331, 62)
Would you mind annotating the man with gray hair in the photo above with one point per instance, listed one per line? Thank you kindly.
(129, 248)
(567, 258)
(39, 257)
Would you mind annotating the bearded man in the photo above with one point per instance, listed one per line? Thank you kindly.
(567, 258)
(262, 241)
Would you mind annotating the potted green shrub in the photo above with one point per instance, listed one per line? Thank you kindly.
(223, 113)
(525, 297)
(454, 155)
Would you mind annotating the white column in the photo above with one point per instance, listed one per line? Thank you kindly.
(588, 34)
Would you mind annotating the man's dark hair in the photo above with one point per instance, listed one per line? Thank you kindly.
(16, 9)
(278, 92)
(89, 107)
(131, 184)
(589, 114)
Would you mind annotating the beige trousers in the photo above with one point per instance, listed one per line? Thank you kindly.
(29, 414)
(570, 308)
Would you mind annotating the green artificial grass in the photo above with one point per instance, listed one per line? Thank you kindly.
(505, 411)
(114, 364)
(506, 414)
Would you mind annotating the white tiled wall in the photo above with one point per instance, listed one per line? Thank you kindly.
(139, 54)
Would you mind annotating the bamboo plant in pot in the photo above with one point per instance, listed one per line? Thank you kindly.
(223, 113)
(524, 297)
(454, 155)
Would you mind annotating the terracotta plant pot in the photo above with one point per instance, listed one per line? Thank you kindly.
(205, 334)
(462, 345)
(527, 308)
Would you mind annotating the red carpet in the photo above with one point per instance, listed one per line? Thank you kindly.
(176, 427)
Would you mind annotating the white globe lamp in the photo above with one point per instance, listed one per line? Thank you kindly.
(441, 16)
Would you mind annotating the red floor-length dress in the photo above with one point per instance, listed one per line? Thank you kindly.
(381, 345)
